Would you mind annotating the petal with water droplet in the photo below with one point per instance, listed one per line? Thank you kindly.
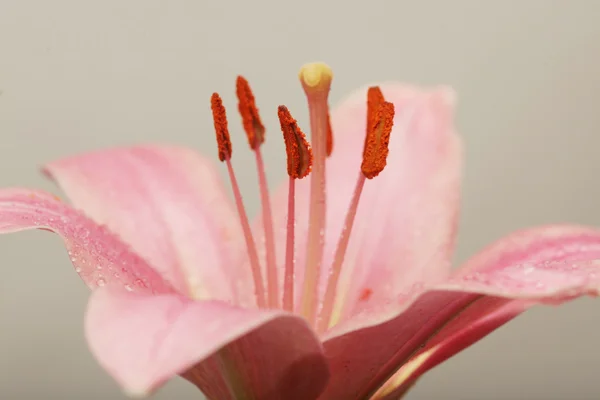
(89, 245)
(169, 204)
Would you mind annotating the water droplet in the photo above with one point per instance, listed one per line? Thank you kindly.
(128, 287)
(99, 267)
(100, 282)
(78, 269)
(417, 287)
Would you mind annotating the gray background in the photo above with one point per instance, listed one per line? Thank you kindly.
(78, 75)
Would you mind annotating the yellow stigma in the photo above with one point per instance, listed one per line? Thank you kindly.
(316, 76)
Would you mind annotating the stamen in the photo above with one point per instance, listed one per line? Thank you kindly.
(220, 122)
(381, 119)
(299, 162)
(288, 278)
(338, 259)
(378, 138)
(255, 131)
(374, 100)
(299, 152)
(224, 143)
(316, 81)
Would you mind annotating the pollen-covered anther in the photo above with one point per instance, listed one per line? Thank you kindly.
(381, 120)
(221, 130)
(299, 152)
(255, 130)
(374, 100)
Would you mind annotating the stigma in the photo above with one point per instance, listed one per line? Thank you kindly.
(304, 159)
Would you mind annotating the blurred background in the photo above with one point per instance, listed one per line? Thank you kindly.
(76, 76)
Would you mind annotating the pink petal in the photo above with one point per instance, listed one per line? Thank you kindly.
(168, 203)
(548, 264)
(380, 338)
(482, 317)
(98, 255)
(405, 226)
(142, 341)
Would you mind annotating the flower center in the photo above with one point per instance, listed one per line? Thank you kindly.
(302, 160)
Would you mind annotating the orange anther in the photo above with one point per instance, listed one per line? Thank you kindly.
(299, 152)
(380, 118)
(220, 122)
(374, 100)
(253, 126)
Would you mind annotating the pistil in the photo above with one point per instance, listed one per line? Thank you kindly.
(316, 81)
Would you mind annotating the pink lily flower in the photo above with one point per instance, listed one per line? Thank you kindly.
(342, 289)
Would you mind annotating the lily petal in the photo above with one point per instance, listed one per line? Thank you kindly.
(550, 264)
(142, 341)
(98, 255)
(405, 226)
(168, 203)
(484, 316)
(547, 263)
